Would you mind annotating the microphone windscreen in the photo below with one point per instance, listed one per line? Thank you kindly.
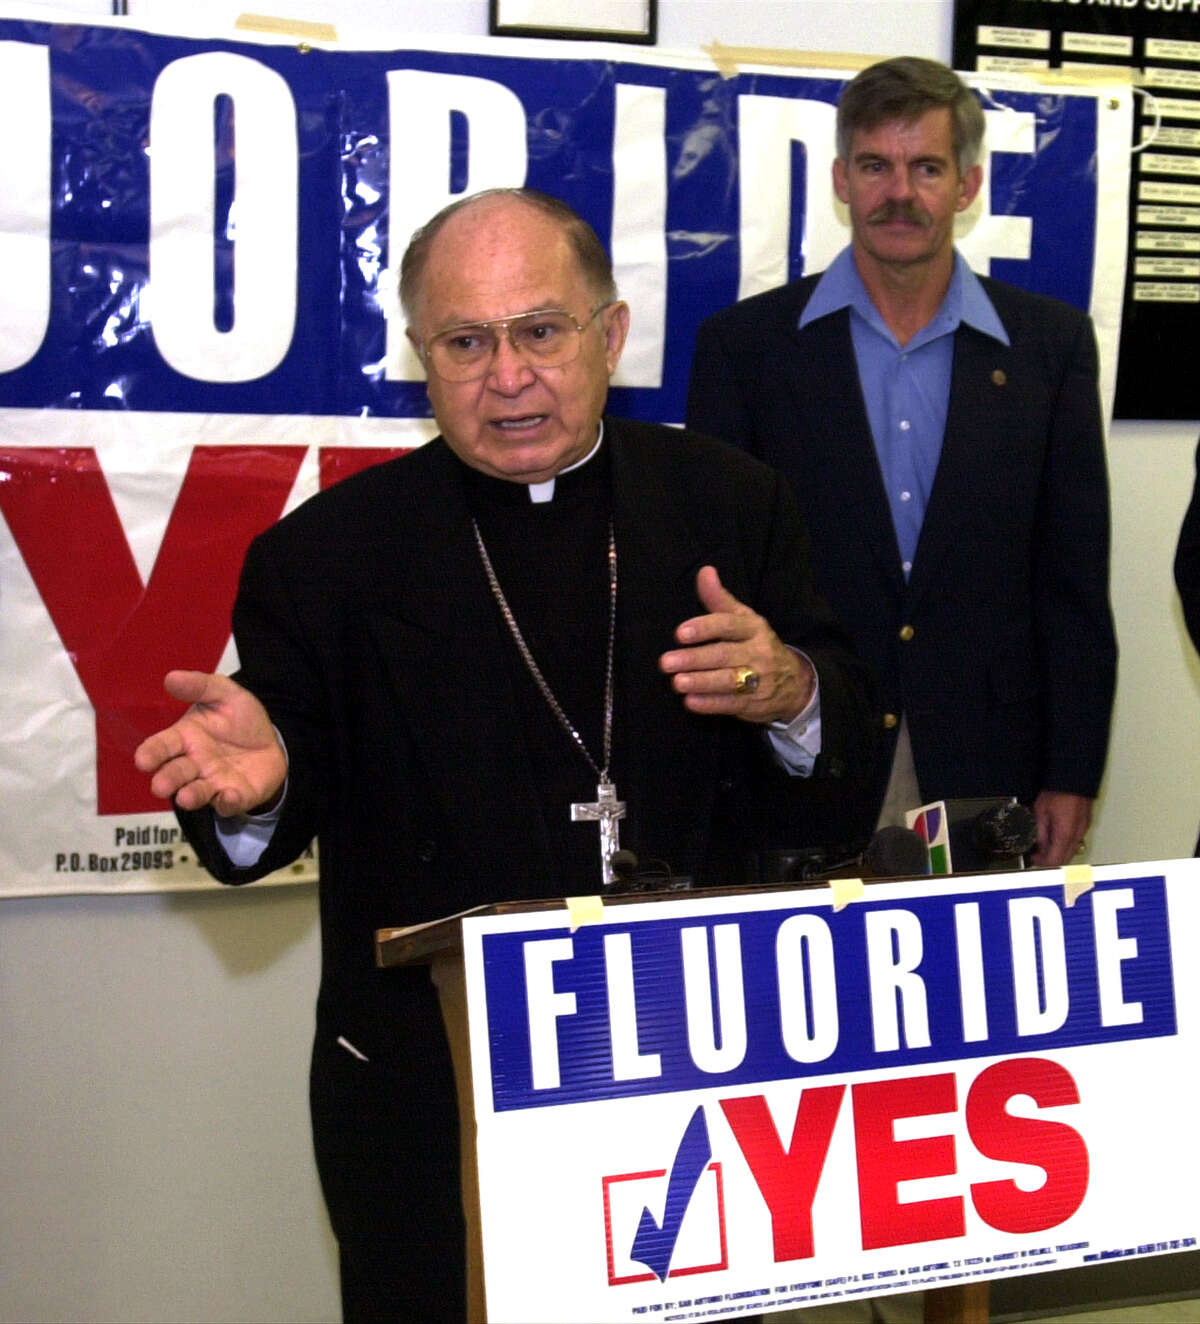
(895, 852)
(624, 864)
(1006, 831)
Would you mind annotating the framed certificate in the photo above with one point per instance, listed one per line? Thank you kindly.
(594, 20)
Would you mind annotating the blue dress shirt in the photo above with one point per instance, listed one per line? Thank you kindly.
(906, 388)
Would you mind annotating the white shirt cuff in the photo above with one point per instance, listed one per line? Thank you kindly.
(244, 837)
(796, 744)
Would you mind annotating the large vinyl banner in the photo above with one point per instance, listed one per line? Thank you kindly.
(196, 246)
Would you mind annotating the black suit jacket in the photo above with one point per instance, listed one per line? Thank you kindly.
(366, 626)
(1000, 647)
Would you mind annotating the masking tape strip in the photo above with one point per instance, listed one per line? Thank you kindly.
(1077, 879)
(286, 27)
(846, 890)
(585, 910)
(729, 59)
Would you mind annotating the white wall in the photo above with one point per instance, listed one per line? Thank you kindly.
(155, 1160)
(1150, 804)
(154, 1150)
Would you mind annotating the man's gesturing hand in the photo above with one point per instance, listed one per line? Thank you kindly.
(720, 645)
(222, 752)
(1062, 824)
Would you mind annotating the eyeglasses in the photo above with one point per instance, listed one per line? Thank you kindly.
(547, 338)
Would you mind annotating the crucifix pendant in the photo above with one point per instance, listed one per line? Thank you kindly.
(605, 810)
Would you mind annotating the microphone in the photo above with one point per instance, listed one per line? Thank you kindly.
(976, 834)
(893, 852)
(657, 876)
(624, 865)
(1005, 832)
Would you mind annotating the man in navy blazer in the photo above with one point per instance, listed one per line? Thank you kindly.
(943, 435)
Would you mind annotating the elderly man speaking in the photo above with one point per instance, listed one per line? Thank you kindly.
(474, 670)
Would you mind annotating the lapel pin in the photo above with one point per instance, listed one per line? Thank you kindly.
(999, 377)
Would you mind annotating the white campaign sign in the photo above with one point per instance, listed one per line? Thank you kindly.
(709, 1106)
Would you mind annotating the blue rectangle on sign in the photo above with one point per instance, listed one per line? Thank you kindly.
(623, 1009)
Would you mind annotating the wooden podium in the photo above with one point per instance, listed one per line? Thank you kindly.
(440, 945)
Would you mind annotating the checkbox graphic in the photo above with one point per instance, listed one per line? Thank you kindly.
(701, 1246)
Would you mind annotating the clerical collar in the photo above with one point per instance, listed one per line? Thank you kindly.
(574, 478)
(542, 492)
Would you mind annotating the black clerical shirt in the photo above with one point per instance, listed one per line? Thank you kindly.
(551, 560)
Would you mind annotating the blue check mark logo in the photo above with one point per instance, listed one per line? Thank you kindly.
(654, 1245)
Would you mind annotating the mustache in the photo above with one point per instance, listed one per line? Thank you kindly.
(908, 212)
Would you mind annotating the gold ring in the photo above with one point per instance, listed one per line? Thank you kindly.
(745, 680)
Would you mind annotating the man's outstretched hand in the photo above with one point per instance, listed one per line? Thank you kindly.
(222, 752)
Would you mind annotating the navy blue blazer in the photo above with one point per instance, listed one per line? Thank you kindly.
(1000, 647)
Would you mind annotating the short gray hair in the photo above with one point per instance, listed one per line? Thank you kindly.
(905, 88)
(593, 259)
